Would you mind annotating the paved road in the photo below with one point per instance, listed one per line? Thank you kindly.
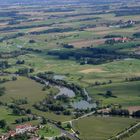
(64, 132)
(84, 116)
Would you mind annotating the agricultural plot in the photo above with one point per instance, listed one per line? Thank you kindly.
(126, 94)
(100, 128)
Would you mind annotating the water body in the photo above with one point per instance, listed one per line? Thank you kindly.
(83, 105)
(70, 93)
(62, 90)
(86, 93)
(127, 59)
(19, 46)
(65, 91)
(114, 26)
(59, 77)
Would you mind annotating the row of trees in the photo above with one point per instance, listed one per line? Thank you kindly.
(25, 71)
(20, 101)
(137, 35)
(97, 83)
(16, 110)
(127, 133)
(3, 80)
(119, 112)
(89, 55)
(62, 138)
(25, 119)
(49, 104)
(4, 65)
(132, 79)
(123, 112)
(12, 54)
(32, 50)
(12, 36)
(53, 30)
(3, 124)
(2, 91)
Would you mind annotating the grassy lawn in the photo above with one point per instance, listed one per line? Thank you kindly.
(49, 131)
(101, 128)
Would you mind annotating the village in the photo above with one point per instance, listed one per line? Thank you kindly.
(21, 129)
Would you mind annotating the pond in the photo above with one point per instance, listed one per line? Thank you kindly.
(59, 77)
(65, 91)
(83, 105)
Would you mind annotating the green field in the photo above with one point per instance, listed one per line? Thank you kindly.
(7, 115)
(127, 94)
(49, 131)
(100, 128)
(23, 88)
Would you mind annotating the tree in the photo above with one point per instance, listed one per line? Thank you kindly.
(137, 113)
(69, 126)
(2, 123)
(43, 121)
(28, 111)
(14, 78)
(109, 93)
(59, 123)
(2, 91)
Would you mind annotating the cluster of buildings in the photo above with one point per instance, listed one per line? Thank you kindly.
(121, 39)
(20, 129)
(117, 40)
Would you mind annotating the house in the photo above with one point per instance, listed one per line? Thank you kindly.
(20, 129)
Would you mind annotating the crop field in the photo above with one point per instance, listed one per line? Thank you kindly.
(127, 94)
(100, 128)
